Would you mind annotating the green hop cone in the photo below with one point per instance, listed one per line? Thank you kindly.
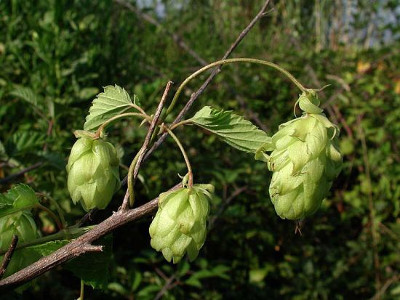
(179, 226)
(20, 224)
(93, 172)
(304, 161)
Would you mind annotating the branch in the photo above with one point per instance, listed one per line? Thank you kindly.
(133, 173)
(79, 246)
(20, 173)
(177, 39)
(8, 255)
(210, 78)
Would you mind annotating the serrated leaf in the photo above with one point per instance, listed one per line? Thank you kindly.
(27, 95)
(231, 128)
(93, 268)
(5, 202)
(23, 141)
(23, 196)
(20, 197)
(113, 101)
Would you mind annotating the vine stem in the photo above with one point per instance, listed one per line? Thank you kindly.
(136, 162)
(132, 114)
(130, 180)
(184, 122)
(189, 167)
(230, 61)
(60, 225)
(58, 208)
(82, 292)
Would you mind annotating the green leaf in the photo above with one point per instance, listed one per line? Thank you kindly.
(20, 197)
(23, 141)
(48, 248)
(27, 95)
(112, 102)
(5, 202)
(193, 282)
(231, 128)
(93, 268)
(23, 195)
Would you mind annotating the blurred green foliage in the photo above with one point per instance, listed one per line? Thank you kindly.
(55, 56)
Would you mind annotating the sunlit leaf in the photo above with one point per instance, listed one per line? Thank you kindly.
(113, 101)
(231, 128)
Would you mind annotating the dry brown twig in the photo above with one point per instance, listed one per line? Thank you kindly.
(8, 255)
(83, 244)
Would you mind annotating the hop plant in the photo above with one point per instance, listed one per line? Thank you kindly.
(20, 224)
(304, 161)
(93, 174)
(179, 226)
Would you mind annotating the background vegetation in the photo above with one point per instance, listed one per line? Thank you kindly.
(55, 56)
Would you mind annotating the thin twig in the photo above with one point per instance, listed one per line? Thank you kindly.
(135, 165)
(87, 217)
(210, 78)
(226, 202)
(20, 173)
(167, 286)
(52, 215)
(383, 289)
(8, 255)
(177, 39)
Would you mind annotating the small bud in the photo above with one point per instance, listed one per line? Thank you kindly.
(179, 226)
(304, 162)
(93, 172)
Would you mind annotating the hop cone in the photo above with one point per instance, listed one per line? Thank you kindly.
(93, 174)
(305, 160)
(179, 226)
(20, 224)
